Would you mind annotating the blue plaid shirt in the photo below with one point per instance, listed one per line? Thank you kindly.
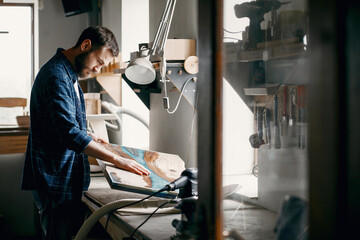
(54, 162)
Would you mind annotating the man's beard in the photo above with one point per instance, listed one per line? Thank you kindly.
(80, 64)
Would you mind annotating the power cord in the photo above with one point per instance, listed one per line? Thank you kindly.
(110, 207)
(166, 98)
(233, 32)
(130, 204)
(186, 176)
(232, 38)
(192, 123)
(132, 235)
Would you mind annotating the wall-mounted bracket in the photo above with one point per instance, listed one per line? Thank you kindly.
(178, 76)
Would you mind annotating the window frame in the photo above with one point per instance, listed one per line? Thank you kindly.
(34, 4)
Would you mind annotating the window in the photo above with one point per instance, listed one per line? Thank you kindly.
(264, 114)
(16, 61)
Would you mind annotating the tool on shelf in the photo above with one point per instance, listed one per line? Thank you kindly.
(255, 11)
(277, 143)
(267, 129)
(284, 123)
(256, 139)
(292, 117)
(301, 115)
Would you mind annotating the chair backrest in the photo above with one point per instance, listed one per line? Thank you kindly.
(13, 102)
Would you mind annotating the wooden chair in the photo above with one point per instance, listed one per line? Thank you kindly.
(23, 121)
(15, 142)
(13, 102)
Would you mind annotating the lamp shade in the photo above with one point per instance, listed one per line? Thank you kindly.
(140, 71)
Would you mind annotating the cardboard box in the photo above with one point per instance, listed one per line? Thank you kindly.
(92, 103)
(179, 49)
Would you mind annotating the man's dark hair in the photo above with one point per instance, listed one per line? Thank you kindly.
(99, 37)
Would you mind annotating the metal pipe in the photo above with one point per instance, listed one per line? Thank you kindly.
(163, 29)
(160, 27)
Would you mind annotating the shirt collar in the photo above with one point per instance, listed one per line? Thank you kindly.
(69, 68)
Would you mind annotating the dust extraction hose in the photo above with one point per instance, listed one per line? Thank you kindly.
(95, 216)
(112, 108)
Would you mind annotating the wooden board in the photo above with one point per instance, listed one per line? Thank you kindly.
(112, 85)
(164, 168)
(13, 102)
(13, 144)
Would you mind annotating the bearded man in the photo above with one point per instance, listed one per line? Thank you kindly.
(56, 167)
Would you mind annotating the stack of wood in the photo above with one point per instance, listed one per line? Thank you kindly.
(92, 103)
(114, 64)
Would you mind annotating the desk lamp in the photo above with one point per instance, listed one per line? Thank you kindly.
(141, 70)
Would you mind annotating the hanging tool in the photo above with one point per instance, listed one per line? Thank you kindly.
(266, 120)
(277, 143)
(301, 116)
(259, 115)
(256, 139)
(292, 118)
(284, 123)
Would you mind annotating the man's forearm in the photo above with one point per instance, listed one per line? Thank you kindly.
(95, 150)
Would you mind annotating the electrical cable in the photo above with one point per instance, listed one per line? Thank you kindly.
(232, 38)
(89, 223)
(110, 207)
(132, 235)
(141, 200)
(232, 32)
(181, 94)
(192, 123)
(108, 218)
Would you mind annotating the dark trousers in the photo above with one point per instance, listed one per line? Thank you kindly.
(59, 221)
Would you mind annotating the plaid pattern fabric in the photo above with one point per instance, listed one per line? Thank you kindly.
(54, 162)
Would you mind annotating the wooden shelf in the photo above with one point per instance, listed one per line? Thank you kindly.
(111, 83)
(269, 53)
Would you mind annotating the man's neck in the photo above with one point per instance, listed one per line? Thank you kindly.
(70, 54)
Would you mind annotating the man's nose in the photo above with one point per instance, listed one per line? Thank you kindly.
(96, 69)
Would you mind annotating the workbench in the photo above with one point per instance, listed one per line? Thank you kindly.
(13, 139)
(251, 221)
(120, 225)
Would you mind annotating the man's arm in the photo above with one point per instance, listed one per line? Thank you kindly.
(95, 150)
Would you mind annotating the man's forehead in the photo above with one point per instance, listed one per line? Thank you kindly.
(104, 54)
(105, 51)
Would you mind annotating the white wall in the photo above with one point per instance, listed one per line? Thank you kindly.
(135, 25)
(135, 30)
(56, 30)
(138, 21)
(174, 133)
(111, 18)
(184, 24)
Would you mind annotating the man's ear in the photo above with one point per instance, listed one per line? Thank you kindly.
(85, 45)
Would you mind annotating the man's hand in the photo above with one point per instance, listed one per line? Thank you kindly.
(131, 166)
(97, 149)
